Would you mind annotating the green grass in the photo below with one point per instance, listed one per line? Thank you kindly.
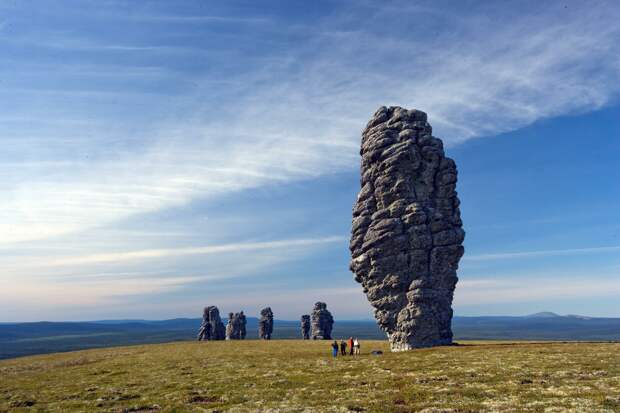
(292, 375)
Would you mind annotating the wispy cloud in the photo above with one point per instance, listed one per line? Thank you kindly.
(300, 117)
(541, 253)
(92, 293)
(530, 288)
(493, 72)
(177, 252)
(31, 286)
(196, 19)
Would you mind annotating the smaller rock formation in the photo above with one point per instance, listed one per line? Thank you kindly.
(322, 322)
(211, 327)
(242, 324)
(230, 327)
(235, 329)
(305, 327)
(265, 324)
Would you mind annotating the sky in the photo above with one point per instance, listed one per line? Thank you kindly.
(162, 156)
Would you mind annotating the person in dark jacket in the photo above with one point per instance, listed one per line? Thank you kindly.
(335, 349)
(343, 348)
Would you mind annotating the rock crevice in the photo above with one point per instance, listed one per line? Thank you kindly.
(406, 237)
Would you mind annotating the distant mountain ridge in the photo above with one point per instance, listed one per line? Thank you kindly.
(17, 339)
(549, 314)
(543, 314)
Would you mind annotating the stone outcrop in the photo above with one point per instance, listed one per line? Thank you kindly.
(322, 322)
(211, 327)
(242, 325)
(235, 329)
(265, 324)
(407, 233)
(305, 327)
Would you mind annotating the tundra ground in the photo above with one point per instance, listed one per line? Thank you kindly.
(301, 376)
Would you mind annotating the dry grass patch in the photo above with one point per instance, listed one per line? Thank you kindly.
(298, 376)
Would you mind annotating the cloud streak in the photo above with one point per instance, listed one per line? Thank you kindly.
(534, 289)
(40, 284)
(299, 117)
(179, 252)
(541, 253)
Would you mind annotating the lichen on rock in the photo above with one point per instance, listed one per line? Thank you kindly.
(406, 237)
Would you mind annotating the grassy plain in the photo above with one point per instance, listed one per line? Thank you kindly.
(300, 376)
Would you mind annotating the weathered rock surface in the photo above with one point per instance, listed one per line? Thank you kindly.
(265, 324)
(406, 238)
(211, 327)
(322, 322)
(242, 325)
(236, 327)
(305, 327)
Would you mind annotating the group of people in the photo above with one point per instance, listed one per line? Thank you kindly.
(352, 344)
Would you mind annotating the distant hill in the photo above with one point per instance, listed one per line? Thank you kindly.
(543, 314)
(537, 328)
(20, 339)
(549, 314)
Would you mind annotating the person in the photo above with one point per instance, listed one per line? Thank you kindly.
(343, 348)
(356, 346)
(335, 349)
(350, 346)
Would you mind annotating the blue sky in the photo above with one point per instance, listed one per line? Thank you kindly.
(161, 156)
